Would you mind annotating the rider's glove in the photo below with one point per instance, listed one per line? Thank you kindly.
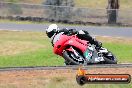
(72, 31)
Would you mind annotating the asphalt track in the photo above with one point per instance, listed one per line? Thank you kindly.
(73, 67)
(93, 30)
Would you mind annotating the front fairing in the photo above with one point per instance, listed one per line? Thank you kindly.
(65, 41)
(56, 37)
(59, 45)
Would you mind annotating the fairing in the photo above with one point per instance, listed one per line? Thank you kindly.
(65, 41)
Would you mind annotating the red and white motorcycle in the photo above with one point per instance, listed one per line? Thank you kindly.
(76, 51)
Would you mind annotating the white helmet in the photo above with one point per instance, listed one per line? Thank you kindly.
(51, 30)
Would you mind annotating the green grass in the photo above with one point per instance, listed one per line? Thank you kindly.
(42, 55)
(122, 51)
(38, 58)
(35, 49)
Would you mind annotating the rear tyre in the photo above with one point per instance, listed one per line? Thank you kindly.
(110, 58)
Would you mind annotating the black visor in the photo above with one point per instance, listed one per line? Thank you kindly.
(50, 34)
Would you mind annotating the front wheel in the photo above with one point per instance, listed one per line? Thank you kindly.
(72, 59)
(110, 58)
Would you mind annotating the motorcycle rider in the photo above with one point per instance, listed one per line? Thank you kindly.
(53, 30)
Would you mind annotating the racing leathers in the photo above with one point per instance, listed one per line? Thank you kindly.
(81, 34)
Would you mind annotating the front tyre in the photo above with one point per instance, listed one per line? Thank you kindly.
(72, 59)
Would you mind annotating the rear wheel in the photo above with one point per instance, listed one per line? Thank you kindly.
(110, 58)
(72, 59)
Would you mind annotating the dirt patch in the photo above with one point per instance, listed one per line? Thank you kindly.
(16, 47)
(50, 78)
